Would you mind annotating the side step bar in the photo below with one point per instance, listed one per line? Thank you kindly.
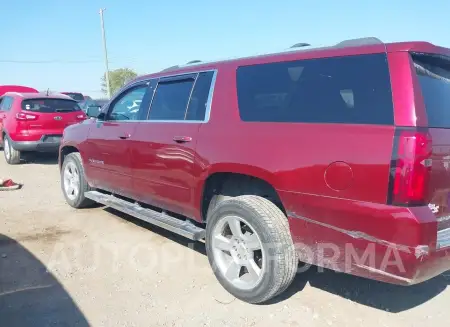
(182, 227)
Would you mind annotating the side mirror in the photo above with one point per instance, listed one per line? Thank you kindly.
(101, 116)
(93, 112)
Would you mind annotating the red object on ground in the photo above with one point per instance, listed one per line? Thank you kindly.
(9, 184)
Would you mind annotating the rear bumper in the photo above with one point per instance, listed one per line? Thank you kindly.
(45, 144)
(435, 264)
(385, 243)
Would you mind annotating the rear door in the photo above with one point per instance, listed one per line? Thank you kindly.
(49, 116)
(107, 150)
(433, 74)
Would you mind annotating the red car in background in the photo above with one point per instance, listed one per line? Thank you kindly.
(16, 88)
(35, 122)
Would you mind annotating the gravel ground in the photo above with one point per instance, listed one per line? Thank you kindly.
(97, 267)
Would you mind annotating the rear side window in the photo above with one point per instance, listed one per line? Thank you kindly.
(50, 105)
(6, 103)
(352, 90)
(199, 98)
(433, 72)
(171, 99)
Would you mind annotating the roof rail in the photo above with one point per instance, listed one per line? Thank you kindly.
(359, 41)
(193, 62)
(300, 45)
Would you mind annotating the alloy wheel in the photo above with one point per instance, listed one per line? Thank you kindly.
(238, 252)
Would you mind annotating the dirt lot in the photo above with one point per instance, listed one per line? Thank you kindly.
(95, 267)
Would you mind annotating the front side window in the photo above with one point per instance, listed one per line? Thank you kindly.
(171, 100)
(128, 105)
(351, 90)
(46, 105)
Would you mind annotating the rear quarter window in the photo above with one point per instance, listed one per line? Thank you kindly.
(433, 73)
(352, 90)
(50, 105)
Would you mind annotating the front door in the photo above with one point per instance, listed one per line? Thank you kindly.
(165, 168)
(107, 152)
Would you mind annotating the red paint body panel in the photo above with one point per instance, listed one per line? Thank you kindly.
(333, 179)
(108, 156)
(16, 88)
(164, 171)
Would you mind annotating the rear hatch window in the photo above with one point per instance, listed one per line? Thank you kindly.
(50, 105)
(433, 72)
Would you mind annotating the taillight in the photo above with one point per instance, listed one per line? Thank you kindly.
(411, 167)
(25, 116)
(81, 116)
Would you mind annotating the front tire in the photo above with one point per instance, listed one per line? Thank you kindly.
(73, 182)
(250, 248)
(12, 156)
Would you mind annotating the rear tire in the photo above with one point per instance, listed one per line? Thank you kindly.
(12, 156)
(261, 262)
(73, 181)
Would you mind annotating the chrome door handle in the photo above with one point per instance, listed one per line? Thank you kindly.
(182, 139)
(125, 136)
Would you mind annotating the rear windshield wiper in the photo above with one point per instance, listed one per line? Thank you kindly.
(64, 110)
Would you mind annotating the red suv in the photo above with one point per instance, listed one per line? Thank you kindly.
(337, 156)
(35, 122)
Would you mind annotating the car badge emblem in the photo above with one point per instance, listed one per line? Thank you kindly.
(57, 118)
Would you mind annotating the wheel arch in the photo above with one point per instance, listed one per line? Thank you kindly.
(64, 151)
(252, 177)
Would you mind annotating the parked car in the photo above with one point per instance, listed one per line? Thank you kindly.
(16, 88)
(86, 104)
(75, 95)
(337, 156)
(35, 122)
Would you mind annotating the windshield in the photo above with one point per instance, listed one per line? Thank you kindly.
(433, 72)
(50, 105)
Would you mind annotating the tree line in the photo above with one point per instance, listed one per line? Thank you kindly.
(117, 79)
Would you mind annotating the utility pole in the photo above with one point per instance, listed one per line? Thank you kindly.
(108, 89)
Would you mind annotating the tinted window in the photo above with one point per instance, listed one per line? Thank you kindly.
(199, 98)
(170, 100)
(128, 105)
(354, 89)
(50, 105)
(433, 73)
(6, 103)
